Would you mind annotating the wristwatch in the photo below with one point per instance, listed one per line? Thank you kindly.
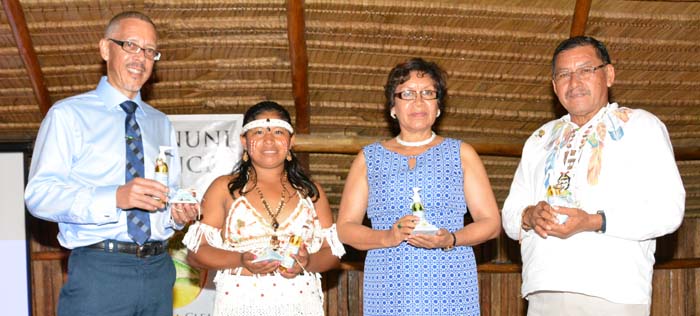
(603, 224)
(454, 243)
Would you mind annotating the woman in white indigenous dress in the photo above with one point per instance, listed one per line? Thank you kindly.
(249, 217)
(415, 190)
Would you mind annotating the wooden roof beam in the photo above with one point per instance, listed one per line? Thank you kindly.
(299, 63)
(581, 12)
(335, 144)
(20, 31)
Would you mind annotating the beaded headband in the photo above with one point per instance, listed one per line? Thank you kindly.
(267, 123)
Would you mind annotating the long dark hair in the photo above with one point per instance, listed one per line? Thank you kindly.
(295, 173)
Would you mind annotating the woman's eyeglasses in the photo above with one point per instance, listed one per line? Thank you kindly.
(413, 94)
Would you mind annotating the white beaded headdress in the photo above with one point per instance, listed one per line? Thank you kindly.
(268, 123)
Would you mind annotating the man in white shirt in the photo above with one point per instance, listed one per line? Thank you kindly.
(592, 192)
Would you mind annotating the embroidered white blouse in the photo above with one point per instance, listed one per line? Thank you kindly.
(625, 167)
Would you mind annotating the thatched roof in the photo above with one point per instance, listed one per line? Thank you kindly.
(223, 56)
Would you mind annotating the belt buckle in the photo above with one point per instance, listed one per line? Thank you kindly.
(141, 251)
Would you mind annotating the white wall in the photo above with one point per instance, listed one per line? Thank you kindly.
(13, 242)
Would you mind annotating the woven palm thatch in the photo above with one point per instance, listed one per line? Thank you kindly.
(223, 56)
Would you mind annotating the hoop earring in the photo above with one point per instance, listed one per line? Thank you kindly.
(393, 115)
(245, 156)
(438, 114)
(289, 156)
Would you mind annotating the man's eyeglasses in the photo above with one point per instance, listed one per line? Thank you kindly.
(582, 73)
(132, 48)
(413, 94)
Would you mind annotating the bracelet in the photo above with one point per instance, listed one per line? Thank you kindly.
(454, 243)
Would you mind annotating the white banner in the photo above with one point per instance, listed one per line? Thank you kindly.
(209, 146)
(14, 288)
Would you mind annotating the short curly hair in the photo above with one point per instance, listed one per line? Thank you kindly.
(402, 72)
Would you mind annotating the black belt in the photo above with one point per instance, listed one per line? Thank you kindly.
(148, 249)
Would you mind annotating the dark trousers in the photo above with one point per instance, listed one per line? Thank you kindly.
(117, 284)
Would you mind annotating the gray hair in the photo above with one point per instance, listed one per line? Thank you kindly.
(114, 22)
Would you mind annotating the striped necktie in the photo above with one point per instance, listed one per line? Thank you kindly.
(138, 220)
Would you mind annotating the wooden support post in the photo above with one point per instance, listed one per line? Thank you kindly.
(20, 31)
(580, 19)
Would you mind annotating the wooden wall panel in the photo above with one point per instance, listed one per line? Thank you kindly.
(355, 290)
(676, 292)
(500, 294)
(47, 279)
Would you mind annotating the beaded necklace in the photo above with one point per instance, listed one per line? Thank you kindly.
(572, 155)
(559, 192)
(416, 144)
(275, 224)
(274, 241)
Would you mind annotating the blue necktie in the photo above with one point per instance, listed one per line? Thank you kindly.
(138, 220)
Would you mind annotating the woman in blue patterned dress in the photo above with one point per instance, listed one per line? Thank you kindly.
(408, 273)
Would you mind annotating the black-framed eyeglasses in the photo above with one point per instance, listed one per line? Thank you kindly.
(133, 48)
(582, 73)
(413, 94)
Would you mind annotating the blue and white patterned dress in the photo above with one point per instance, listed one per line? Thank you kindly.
(406, 280)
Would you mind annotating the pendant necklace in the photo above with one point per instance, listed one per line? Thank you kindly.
(415, 144)
(275, 224)
(571, 156)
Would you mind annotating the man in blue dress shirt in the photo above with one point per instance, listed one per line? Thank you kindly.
(79, 178)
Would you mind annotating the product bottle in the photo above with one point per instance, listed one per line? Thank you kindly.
(161, 174)
(292, 249)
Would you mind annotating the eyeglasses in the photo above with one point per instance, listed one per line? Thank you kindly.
(132, 48)
(413, 94)
(582, 73)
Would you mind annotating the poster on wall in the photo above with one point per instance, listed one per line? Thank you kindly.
(209, 146)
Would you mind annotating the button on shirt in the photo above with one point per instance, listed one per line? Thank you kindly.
(78, 164)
